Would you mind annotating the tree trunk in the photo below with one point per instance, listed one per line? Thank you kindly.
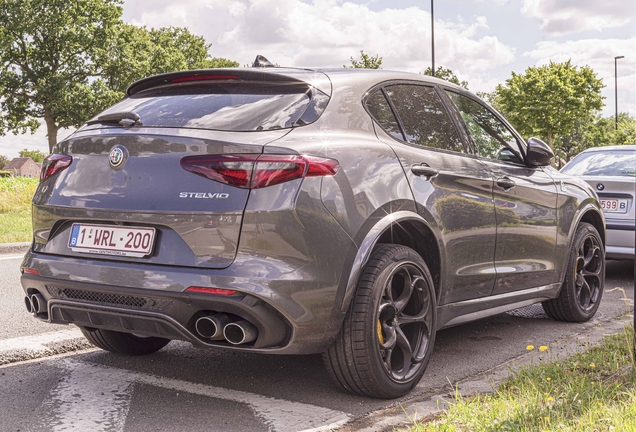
(51, 129)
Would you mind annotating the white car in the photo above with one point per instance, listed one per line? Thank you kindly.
(611, 171)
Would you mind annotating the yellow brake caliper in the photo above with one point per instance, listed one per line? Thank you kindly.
(379, 329)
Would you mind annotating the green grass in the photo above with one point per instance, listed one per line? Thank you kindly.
(15, 208)
(591, 391)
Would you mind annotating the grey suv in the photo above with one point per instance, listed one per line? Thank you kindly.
(292, 211)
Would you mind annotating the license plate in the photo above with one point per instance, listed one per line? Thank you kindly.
(614, 205)
(112, 240)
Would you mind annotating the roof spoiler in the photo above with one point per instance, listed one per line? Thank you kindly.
(261, 73)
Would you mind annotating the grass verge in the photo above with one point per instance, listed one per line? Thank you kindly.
(15, 208)
(591, 391)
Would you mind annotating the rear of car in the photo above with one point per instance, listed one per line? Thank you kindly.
(611, 171)
(282, 211)
(144, 220)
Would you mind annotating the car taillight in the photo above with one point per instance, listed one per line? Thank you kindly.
(206, 290)
(253, 171)
(53, 164)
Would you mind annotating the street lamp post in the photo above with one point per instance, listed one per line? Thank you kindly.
(432, 40)
(615, 85)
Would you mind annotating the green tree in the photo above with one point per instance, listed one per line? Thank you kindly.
(47, 59)
(446, 74)
(66, 60)
(626, 132)
(366, 62)
(36, 155)
(596, 131)
(4, 161)
(546, 101)
(137, 52)
(220, 62)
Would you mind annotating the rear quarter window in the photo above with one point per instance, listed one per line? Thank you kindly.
(380, 110)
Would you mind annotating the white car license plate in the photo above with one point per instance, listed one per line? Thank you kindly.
(112, 240)
(614, 205)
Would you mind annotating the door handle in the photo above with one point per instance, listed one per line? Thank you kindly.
(424, 170)
(506, 183)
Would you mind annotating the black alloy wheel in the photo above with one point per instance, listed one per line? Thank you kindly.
(587, 280)
(388, 334)
(582, 289)
(404, 322)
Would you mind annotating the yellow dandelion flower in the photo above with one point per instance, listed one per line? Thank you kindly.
(592, 365)
(550, 399)
(530, 347)
(548, 379)
(546, 419)
(543, 348)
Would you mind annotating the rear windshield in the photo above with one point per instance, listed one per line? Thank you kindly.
(239, 107)
(607, 163)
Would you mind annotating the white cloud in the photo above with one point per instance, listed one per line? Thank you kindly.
(559, 17)
(326, 33)
(599, 55)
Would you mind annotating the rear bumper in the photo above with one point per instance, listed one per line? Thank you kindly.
(621, 238)
(153, 313)
(294, 306)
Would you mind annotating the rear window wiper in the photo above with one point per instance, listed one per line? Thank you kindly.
(125, 119)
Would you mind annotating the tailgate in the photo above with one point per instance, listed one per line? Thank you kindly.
(196, 221)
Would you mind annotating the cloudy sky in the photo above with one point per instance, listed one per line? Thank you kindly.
(483, 41)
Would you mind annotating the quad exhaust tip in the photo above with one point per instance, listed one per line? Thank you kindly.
(35, 303)
(211, 327)
(240, 332)
(28, 304)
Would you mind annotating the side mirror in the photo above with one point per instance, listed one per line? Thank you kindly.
(539, 153)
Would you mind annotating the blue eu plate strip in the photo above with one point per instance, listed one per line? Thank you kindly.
(74, 235)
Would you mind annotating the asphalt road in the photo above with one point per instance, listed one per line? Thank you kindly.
(183, 388)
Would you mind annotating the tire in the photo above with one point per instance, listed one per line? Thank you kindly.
(582, 290)
(388, 333)
(123, 343)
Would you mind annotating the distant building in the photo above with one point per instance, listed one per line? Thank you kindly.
(24, 167)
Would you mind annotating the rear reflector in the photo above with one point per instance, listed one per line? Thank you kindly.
(53, 164)
(216, 291)
(203, 78)
(253, 171)
(28, 270)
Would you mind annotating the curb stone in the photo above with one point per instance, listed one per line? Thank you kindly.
(428, 406)
(8, 248)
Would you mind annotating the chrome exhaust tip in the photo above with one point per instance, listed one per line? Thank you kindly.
(240, 332)
(39, 304)
(28, 304)
(211, 327)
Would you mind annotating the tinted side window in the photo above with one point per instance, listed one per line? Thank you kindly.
(424, 117)
(492, 138)
(381, 111)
